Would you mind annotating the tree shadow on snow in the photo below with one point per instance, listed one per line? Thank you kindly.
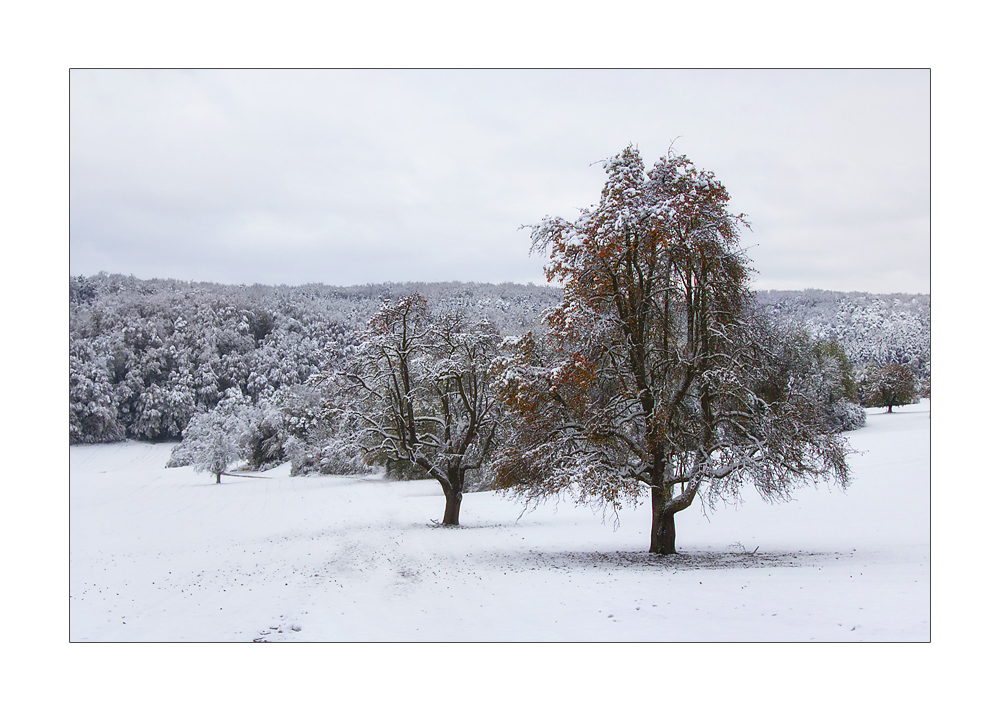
(683, 561)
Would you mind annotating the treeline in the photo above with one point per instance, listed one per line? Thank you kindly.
(147, 355)
(874, 330)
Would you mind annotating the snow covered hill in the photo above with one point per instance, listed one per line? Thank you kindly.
(167, 555)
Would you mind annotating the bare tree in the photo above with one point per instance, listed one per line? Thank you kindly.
(653, 375)
(422, 393)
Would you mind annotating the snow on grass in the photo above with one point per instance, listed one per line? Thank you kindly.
(162, 554)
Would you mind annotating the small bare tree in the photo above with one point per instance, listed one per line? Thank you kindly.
(420, 391)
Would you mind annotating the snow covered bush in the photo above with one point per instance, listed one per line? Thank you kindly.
(329, 458)
(403, 470)
(265, 436)
(844, 415)
(835, 387)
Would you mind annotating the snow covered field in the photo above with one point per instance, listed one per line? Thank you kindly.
(162, 554)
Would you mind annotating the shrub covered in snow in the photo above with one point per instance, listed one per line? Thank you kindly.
(332, 457)
(844, 415)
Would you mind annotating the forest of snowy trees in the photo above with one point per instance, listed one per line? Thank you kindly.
(872, 329)
(149, 358)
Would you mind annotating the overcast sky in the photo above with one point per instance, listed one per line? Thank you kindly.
(350, 177)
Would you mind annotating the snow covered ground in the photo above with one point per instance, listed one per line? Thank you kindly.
(162, 554)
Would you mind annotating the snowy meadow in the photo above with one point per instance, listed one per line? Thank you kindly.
(161, 554)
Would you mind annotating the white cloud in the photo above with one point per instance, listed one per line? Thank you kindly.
(365, 176)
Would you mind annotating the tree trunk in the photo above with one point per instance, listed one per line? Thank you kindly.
(663, 538)
(663, 535)
(453, 490)
(452, 504)
(218, 478)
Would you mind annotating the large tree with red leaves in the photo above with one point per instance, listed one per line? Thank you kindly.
(656, 376)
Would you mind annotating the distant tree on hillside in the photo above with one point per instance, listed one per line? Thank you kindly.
(216, 450)
(890, 385)
(214, 440)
